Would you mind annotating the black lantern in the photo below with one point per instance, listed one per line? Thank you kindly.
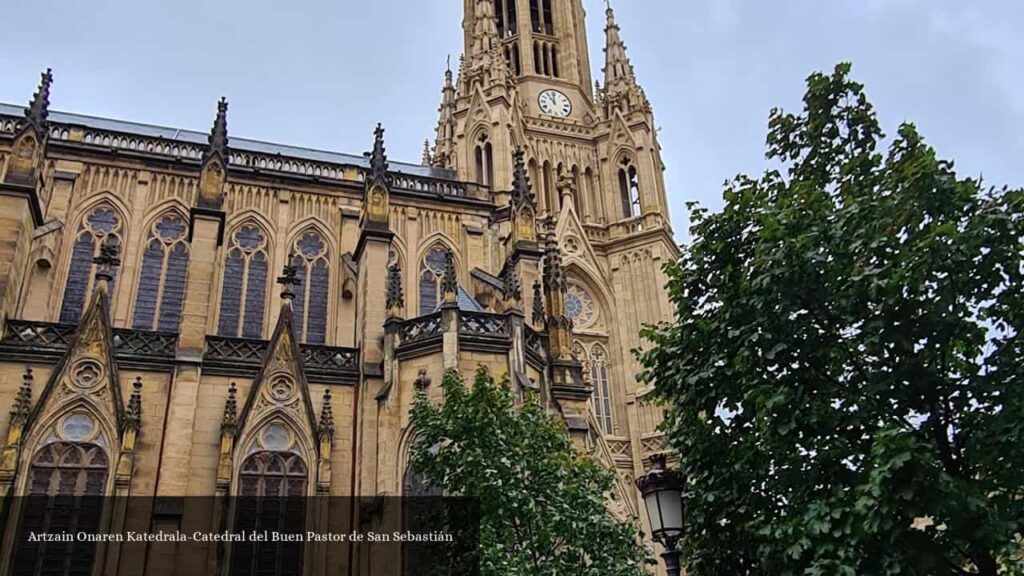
(662, 490)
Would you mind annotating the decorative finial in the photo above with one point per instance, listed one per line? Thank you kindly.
(326, 428)
(108, 260)
(554, 273)
(538, 305)
(422, 382)
(219, 134)
(427, 160)
(289, 279)
(230, 421)
(133, 414)
(511, 289)
(23, 400)
(395, 299)
(449, 280)
(38, 111)
(378, 158)
(521, 190)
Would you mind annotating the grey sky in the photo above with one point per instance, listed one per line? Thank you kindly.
(321, 73)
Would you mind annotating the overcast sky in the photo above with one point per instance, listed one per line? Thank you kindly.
(321, 73)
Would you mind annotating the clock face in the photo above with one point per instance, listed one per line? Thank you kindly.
(554, 103)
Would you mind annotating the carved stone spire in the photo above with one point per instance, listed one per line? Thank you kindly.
(395, 300)
(444, 141)
(558, 324)
(379, 157)
(213, 174)
(511, 288)
(522, 192)
(449, 280)
(38, 112)
(538, 305)
(218, 138)
(28, 151)
(133, 413)
(377, 194)
(427, 159)
(229, 424)
(325, 430)
(23, 400)
(523, 202)
(621, 90)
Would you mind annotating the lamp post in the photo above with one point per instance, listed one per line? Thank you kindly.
(662, 490)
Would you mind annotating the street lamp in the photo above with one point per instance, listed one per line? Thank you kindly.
(662, 490)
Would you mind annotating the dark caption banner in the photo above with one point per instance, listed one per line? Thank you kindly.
(240, 536)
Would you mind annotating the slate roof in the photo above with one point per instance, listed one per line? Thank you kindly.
(236, 143)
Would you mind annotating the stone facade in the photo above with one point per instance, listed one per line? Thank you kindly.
(139, 311)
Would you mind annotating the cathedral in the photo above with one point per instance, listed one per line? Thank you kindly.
(190, 313)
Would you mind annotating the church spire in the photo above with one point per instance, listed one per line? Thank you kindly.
(620, 86)
(444, 143)
(38, 110)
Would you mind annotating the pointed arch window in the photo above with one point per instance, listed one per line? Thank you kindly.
(311, 257)
(161, 290)
(505, 10)
(431, 271)
(601, 402)
(541, 17)
(271, 497)
(629, 189)
(99, 225)
(484, 161)
(244, 289)
(66, 483)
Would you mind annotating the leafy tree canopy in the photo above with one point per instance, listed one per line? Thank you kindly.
(543, 508)
(844, 370)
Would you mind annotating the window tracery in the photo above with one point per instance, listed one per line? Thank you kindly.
(97, 226)
(310, 306)
(65, 482)
(431, 273)
(581, 307)
(243, 293)
(629, 189)
(601, 401)
(161, 290)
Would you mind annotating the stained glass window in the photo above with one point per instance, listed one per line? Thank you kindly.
(311, 296)
(100, 223)
(244, 289)
(64, 495)
(162, 277)
(581, 307)
(272, 487)
(601, 402)
(430, 279)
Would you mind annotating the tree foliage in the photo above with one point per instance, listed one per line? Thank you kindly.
(542, 505)
(843, 373)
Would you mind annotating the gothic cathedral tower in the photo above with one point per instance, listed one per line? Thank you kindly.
(595, 166)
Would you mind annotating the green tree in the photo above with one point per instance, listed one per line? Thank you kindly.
(542, 504)
(843, 375)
